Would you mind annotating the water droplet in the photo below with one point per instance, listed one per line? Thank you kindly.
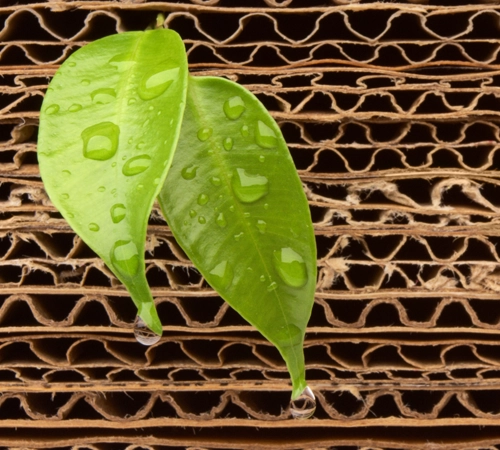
(266, 205)
(75, 107)
(192, 213)
(249, 188)
(124, 157)
(189, 172)
(103, 96)
(130, 140)
(228, 143)
(66, 173)
(146, 123)
(223, 273)
(245, 131)
(221, 220)
(237, 237)
(125, 257)
(101, 188)
(113, 164)
(118, 212)
(151, 108)
(140, 145)
(262, 158)
(113, 191)
(140, 187)
(156, 82)
(132, 101)
(136, 165)
(94, 227)
(100, 141)
(85, 82)
(52, 109)
(72, 64)
(265, 136)
(234, 107)
(70, 215)
(202, 199)
(304, 405)
(143, 334)
(121, 62)
(261, 226)
(65, 196)
(216, 181)
(291, 267)
(246, 215)
(202, 220)
(273, 286)
(262, 278)
(231, 208)
(204, 134)
(158, 113)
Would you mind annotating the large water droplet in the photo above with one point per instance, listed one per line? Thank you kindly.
(202, 199)
(94, 227)
(192, 213)
(304, 405)
(223, 273)
(136, 165)
(291, 267)
(189, 172)
(261, 226)
(75, 107)
(245, 131)
(234, 107)
(118, 212)
(204, 133)
(265, 136)
(143, 334)
(273, 286)
(216, 181)
(221, 220)
(156, 82)
(228, 143)
(122, 62)
(52, 109)
(100, 141)
(125, 257)
(103, 96)
(202, 220)
(249, 188)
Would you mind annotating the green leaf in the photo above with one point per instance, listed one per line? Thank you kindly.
(236, 206)
(109, 124)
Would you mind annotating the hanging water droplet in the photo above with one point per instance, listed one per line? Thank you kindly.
(136, 165)
(291, 267)
(75, 107)
(202, 199)
(228, 143)
(249, 188)
(143, 334)
(85, 82)
(118, 212)
(189, 172)
(202, 220)
(304, 405)
(223, 273)
(192, 213)
(238, 236)
(131, 101)
(262, 278)
(121, 62)
(100, 141)
(125, 257)
(52, 109)
(261, 226)
(221, 220)
(94, 227)
(262, 158)
(103, 96)
(140, 145)
(245, 131)
(101, 188)
(265, 136)
(234, 107)
(273, 286)
(216, 181)
(204, 134)
(156, 82)
(65, 196)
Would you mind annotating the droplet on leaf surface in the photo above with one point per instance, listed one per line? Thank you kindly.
(100, 141)
(234, 107)
(189, 172)
(156, 82)
(103, 96)
(265, 136)
(136, 165)
(291, 267)
(118, 212)
(249, 188)
(224, 273)
(125, 257)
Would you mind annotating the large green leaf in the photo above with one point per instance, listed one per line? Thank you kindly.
(109, 124)
(236, 206)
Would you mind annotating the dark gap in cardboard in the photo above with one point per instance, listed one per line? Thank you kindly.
(171, 315)
(31, 103)
(454, 316)
(464, 374)
(454, 408)
(92, 314)
(65, 376)
(201, 309)
(486, 311)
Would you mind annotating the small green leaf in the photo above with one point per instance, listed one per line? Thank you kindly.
(109, 124)
(236, 206)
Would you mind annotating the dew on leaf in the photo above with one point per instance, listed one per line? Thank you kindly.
(140, 145)
(66, 173)
(265, 136)
(125, 257)
(262, 278)
(85, 82)
(231, 208)
(121, 62)
(101, 188)
(65, 196)
(291, 267)
(249, 188)
(223, 273)
(189, 172)
(204, 133)
(103, 96)
(221, 220)
(273, 286)
(143, 334)
(234, 107)
(132, 101)
(261, 226)
(72, 64)
(52, 109)
(192, 213)
(100, 141)
(202, 199)
(75, 107)
(228, 143)
(136, 165)
(156, 82)
(202, 220)
(238, 236)
(94, 227)
(262, 158)
(216, 181)
(244, 131)
(118, 212)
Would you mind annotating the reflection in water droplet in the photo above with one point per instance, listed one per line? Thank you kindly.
(234, 107)
(118, 212)
(65, 196)
(100, 141)
(75, 107)
(262, 158)
(245, 131)
(189, 172)
(202, 220)
(94, 227)
(265, 136)
(132, 101)
(121, 62)
(52, 109)
(101, 188)
(228, 143)
(143, 334)
(202, 199)
(192, 213)
(261, 226)
(291, 267)
(156, 82)
(125, 257)
(273, 286)
(85, 82)
(136, 165)
(262, 278)
(103, 96)
(237, 237)
(304, 405)
(216, 181)
(249, 188)
(221, 220)
(223, 273)
(204, 134)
